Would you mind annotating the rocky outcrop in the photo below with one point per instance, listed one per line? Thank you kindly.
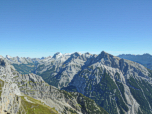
(10, 101)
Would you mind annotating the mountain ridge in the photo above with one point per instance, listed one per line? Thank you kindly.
(145, 59)
(113, 83)
(28, 93)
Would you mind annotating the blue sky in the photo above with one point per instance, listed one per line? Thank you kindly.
(36, 28)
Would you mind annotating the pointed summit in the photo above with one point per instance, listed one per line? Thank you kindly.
(76, 54)
(88, 53)
(104, 54)
(57, 55)
(43, 57)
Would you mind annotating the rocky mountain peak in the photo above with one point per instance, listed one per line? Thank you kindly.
(87, 53)
(43, 57)
(76, 54)
(57, 55)
(104, 54)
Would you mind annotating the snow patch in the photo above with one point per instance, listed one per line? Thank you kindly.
(7, 56)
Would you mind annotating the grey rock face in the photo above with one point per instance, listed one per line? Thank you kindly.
(107, 79)
(17, 87)
(118, 85)
(9, 91)
(34, 86)
(10, 101)
(116, 75)
(60, 71)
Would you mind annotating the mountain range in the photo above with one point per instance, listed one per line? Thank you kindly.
(79, 83)
(29, 94)
(145, 59)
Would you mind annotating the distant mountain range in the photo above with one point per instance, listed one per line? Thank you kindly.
(118, 85)
(29, 94)
(145, 59)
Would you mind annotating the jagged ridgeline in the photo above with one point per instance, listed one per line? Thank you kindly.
(118, 85)
(29, 94)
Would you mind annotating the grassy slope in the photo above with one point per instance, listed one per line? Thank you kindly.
(37, 107)
(1, 85)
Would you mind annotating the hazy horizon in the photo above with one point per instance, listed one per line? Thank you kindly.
(72, 53)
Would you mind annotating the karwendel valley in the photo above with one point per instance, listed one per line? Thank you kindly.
(75, 84)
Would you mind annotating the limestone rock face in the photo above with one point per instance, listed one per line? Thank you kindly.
(113, 83)
(60, 71)
(28, 93)
(118, 85)
(35, 87)
(10, 100)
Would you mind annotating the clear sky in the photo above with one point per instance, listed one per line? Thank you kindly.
(36, 28)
